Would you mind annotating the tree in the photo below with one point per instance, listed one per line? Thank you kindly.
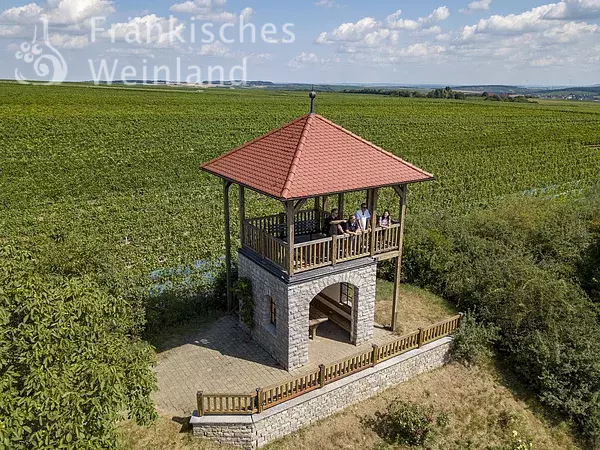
(70, 364)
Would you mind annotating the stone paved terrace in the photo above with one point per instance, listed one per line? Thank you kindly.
(224, 359)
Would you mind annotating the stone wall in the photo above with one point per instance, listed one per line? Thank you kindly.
(287, 342)
(250, 432)
(274, 339)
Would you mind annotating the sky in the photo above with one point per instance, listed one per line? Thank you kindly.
(457, 42)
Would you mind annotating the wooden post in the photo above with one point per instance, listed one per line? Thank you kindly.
(421, 338)
(373, 212)
(318, 215)
(226, 186)
(375, 358)
(242, 212)
(341, 205)
(289, 209)
(334, 250)
(325, 203)
(401, 191)
(259, 398)
(200, 399)
(322, 375)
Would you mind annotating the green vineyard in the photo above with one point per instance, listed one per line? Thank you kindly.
(107, 181)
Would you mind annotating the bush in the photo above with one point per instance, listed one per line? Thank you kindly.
(242, 289)
(409, 423)
(179, 294)
(70, 363)
(520, 265)
(473, 342)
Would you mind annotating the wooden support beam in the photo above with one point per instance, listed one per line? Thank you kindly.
(226, 186)
(374, 195)
(401, 217)
(299, 204)
(242, 212)
(325, 203)
(341, 205)
(318, 215)
(291, 216)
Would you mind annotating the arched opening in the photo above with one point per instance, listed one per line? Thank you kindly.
(331, 313)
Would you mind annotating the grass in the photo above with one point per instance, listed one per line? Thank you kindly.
(483, 414)
(417, 307)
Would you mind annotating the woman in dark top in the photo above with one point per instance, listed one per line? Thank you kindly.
(352, 225)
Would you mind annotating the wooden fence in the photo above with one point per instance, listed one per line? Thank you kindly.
(270, 396)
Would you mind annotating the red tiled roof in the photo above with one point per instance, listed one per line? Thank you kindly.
(312, 156)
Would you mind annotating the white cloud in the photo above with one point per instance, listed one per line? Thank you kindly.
(216, 48)
(305, 59)
(11, 31)
(395, 21)
(198, 6)
(58, 12)
(150, 30)
(479, 5)
(70, 12)
(574, 10)
(69, 42)
(29, 13)
(327, 4)
(210, 10)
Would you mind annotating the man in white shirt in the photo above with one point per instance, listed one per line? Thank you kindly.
(363, 215)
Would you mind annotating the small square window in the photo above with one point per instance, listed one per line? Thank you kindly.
(347, 294)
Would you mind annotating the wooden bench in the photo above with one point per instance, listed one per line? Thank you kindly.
(338, 313)
(303, 227)
(316, 318)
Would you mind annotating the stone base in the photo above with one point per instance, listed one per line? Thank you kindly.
(251, 432)
(287, 339)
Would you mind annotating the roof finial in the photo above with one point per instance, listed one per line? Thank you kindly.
(312, 96)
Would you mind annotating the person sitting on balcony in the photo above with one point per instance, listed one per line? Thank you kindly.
(386, 220)
(333, 224)
(363, 215)
(352, 225)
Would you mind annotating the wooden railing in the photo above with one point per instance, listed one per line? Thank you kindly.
(313, 254)
(266, 236)
(225, 404)
(352, 246)
(273, 395)
(275, 250)
(387, 239)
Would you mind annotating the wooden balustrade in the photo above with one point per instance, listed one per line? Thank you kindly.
(279, 393)
(265, 236)
(347, 366)
(275, 250)
(313, 254)
(225, 404)
(353, 246)
(387, 239)
(440, 329)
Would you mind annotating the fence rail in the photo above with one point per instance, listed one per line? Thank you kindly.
(275, 250)
(273, 395)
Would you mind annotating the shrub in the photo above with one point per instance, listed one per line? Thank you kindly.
(473, 342)
(70, 363)
(519, 266)
(410, 423)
